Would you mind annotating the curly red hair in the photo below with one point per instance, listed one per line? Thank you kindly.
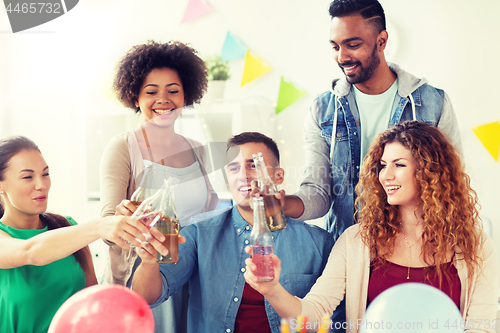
(449, 205)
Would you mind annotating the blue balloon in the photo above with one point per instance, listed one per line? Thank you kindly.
(412, 308)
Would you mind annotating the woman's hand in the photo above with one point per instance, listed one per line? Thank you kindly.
(119, 229)
(126, 208)
(147, 250)
(264, 288)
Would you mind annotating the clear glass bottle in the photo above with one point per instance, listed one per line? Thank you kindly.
(158, 210)
(147, 186)
(261, 242)
(168, 225)
(274, 212)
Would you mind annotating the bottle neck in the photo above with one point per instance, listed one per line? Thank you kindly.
(259, 217)
(266, 184)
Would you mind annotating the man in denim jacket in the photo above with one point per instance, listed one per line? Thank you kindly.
(212, 259)
(373, 96)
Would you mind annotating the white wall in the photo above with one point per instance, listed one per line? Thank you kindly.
(56, 75)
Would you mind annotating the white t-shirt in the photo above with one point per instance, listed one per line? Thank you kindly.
(374, 114)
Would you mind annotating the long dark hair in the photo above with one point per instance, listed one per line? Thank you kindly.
(9, 148)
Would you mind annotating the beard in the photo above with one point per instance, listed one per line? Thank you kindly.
(366, 71)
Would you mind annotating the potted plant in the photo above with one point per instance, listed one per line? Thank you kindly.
(218, 74)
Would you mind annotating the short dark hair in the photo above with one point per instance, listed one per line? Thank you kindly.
(140, 60)
(368, 9)
(255, 137)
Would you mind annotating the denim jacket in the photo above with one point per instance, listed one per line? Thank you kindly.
(332, 171)
(213, 262)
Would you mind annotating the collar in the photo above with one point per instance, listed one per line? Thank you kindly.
(240, 225)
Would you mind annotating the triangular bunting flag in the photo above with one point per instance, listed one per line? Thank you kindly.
(254, 67)
(489, 135)
(288, 95)
(233, 48)
(196, 9)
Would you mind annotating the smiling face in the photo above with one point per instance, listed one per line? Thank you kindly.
(26, 184)
(161, 95)
(397, 176)
(357, 48)
(241, 171)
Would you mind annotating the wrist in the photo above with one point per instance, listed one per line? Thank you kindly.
(94, 229)
(273, 291)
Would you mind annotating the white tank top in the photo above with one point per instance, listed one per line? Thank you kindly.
(190, 194)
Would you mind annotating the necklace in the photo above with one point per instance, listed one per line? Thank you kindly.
(409, 248)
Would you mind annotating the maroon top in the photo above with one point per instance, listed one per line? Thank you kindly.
(392, 274)
(251, 317)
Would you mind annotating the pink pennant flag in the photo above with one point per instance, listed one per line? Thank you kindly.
(196, 9)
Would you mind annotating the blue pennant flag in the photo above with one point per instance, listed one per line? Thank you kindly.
(233, 48)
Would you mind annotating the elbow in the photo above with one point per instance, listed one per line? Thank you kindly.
(33, 256)
(33, 259)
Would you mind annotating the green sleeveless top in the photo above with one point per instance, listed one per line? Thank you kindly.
(31, 295)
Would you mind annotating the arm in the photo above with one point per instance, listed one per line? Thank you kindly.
(293, 206)
(314, 190)
(56, 244)
(481, 310)
(147, 280)
(448, 123)
(324, 296)
(115, 171)
(285, 304)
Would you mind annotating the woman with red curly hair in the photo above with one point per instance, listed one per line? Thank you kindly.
(418, 222)
(156, 80)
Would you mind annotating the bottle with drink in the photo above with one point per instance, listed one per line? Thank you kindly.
(274, 212)
(147, 186)
(159, 211)
(261, 242)
(168, 225)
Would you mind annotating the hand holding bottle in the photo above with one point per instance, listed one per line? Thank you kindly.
(125, 208)
(268, 190)
(262, 287)
(121, 229)
(255, 192)
(153, 244)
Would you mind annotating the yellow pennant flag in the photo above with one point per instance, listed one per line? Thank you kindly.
(254, 67)
(489, 135)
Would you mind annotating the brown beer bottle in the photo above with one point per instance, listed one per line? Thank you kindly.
(168, 224)
(274, 212)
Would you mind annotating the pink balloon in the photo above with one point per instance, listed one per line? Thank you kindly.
(103, 308)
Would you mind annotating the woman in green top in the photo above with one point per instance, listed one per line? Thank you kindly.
(44, 258)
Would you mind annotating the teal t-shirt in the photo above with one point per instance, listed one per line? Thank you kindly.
(31, 295)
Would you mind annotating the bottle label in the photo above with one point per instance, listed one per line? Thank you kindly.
(262, 250)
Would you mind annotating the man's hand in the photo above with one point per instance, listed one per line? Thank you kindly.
(262, 287)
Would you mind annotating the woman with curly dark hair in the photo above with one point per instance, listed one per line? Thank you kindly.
(157, 81)
(418, 222)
